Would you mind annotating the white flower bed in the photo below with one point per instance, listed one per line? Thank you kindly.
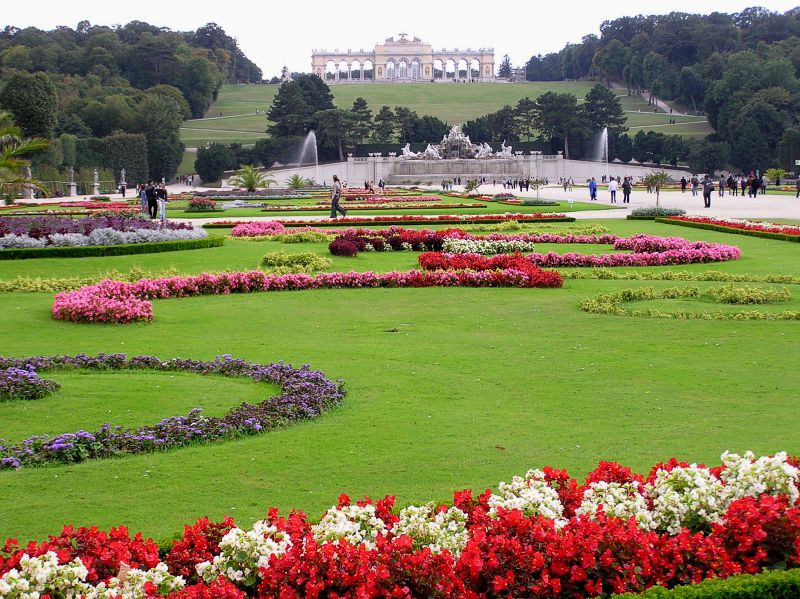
(39, 575)
(104, 236)
(746, 476)
(531, 495)
(620, 500)
(353, 523)
(485, 246)
(686, 497)
(446, 529)
(242, 553)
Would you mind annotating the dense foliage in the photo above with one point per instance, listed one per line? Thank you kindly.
(740, 69)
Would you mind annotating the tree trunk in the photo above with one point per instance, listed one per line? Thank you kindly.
(341, 156)
(566, 147)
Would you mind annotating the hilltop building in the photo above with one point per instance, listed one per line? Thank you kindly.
(404, 60)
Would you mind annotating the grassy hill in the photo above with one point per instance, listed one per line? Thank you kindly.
(234, 117)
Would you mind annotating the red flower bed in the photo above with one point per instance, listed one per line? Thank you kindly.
(740, 224)
(89, 205)
(539, 278)
(442, 218)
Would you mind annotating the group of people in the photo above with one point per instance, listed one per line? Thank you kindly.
(614, 184)
(733, 183)
(370, 186)
(153, 199)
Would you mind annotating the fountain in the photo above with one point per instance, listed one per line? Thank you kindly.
(601, 151)
(309, 146)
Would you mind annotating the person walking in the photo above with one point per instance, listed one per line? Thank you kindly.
(695, 184)
(143, 198)
(626, 191)
(336, 193)
(722, 186)
(612, 187)
(708, 187)
(683, 184)
(592, 189)
(161, 194)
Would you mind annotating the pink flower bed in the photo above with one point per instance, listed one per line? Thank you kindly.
(123, 303)
(258, 229)
(744, 225)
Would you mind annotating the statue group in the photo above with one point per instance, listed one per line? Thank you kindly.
(457, 145)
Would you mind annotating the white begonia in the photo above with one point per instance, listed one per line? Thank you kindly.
(243, 552)
(357, 524)
(531, 495)
(746, 476)
(619, 500)
(688, 497)
(436, 531)
(38, 575)
(131, 586)
(486, 246)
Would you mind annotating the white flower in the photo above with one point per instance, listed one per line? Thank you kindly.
(243, 552)
(436, 531)
(688, 497)
(357, 524)
(132, 587)
(746, 476)
(486, 246)
(37, 575)
(620, 500)
(531, 495)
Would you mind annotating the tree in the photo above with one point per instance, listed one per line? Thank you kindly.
(384, 124)
(406, 120)
(557, 116)
(707, 156)
(429, 129)
(174, 93)
(604, 109)
(789, 149)
(611, 60)
(294, 106)
(691, 87)
(656, 180)
(160, 118)
(362, 120)
(251, 179)
(505, 67)
(213, 160)
(525, 113)
(32, 101)
(277, 149)
(333, 128)
(298, 182)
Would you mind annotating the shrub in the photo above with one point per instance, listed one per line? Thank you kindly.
(772, 585)
(201, 205)
(111, 250)
(657, 211)
(283, 263)
(100, 199)
(730, 294)
(343, 246)
(537, 202)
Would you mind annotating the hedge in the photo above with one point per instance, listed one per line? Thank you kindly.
(631, 217)
(453, 223)
(782, 584)
(722, 229)
(84, 251)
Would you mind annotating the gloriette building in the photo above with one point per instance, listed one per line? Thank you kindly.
(404, 60)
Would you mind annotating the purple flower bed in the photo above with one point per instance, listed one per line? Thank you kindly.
(42, 226)
(24, 383)
(305, 394)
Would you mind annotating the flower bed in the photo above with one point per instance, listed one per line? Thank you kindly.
(414, 219)
(388, 206)
(611, 303)
(111, 250)
(394, 199)
(123, 303)
(304, 394)
(24, 383)
(544, 534)
(742, 227)
(89, 205)
(202, 205)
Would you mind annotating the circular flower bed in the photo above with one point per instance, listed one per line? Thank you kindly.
(543, 534)
(304, 394)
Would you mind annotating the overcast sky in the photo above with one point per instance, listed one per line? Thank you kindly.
(283, 32)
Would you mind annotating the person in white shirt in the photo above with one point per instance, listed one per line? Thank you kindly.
(612, 187)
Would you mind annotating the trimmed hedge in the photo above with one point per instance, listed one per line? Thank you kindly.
(467, 221)
(721, 229)
(84, 251)
(783, 584)
(631, 217)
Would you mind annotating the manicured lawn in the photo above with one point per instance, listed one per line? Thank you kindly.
(448, 388)
(233, 117)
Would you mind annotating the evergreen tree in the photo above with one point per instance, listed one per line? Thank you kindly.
(160, 119)
(362, 120)
(604, 109)
(406, 122)
(525, 113)
(505, 67)
(384, 125)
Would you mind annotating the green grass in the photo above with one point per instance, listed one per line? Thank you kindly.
(454, 103)
(448, 388)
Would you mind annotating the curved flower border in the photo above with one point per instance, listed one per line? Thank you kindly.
(305, 394)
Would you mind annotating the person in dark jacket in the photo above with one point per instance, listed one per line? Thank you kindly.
(152, 200)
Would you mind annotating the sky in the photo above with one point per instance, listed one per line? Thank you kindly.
(278, 33)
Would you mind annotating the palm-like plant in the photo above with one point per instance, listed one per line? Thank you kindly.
(298, 182)
(13, 151)
(251, 179)
(656, 180)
